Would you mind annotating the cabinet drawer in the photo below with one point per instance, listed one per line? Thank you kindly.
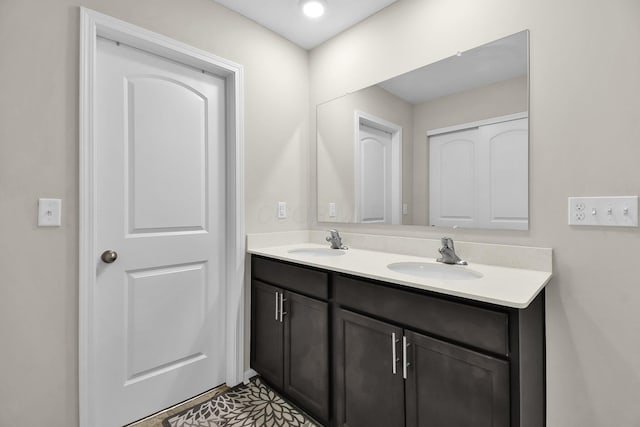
(301, 279)
(478, 327)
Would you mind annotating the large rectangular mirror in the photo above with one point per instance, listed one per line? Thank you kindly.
(442, 145)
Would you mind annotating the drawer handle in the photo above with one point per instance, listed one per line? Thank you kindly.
(277, 305)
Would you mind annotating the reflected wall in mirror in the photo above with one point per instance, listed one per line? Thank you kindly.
(443, 145)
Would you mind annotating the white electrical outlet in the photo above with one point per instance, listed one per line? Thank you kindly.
(332, 210)
(405, 209)
(282, 210)
(49, 212)
(604, 211)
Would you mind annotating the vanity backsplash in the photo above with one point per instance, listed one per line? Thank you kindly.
(512, 256)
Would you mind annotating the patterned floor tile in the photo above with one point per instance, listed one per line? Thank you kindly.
(251, 405)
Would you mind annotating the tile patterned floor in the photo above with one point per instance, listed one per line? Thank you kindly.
(155, 420)
(247, 405)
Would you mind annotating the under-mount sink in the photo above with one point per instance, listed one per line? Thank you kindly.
(434, 271)
(312, 252)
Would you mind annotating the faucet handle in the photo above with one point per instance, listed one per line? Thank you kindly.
(447, 242)
(335, 240)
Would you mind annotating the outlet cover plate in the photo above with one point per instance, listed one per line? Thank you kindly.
(604, 211)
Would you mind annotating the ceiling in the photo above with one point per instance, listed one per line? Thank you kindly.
(285, 17)
(493, 62)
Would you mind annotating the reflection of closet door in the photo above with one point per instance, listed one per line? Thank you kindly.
(452, 178)
(375, 175)
(478, 177)
(503, 188)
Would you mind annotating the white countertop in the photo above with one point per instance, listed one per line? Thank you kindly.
(510, 287)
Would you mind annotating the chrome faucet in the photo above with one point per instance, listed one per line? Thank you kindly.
(448, 253)
(335, 240)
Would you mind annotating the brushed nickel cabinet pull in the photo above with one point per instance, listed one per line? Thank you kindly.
(405, 362)
(394, 358)
(282, 312)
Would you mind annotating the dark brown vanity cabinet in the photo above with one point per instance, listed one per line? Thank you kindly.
(404, 357)
(419, 359)
(386, 375)
(290, 333)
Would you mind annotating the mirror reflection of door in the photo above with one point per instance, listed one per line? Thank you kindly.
(377, 173)
(488, 81)
(478, 176)
(375, 168)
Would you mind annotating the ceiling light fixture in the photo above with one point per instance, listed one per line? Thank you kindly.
(313, 8)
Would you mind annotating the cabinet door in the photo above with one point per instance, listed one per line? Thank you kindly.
(267, 333)
(369, 388)
(450, 386)
(306, 353)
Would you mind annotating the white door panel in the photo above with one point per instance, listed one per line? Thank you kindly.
(165, 305)
(457, 178)
(509, 172)
(375, 167)
(478, 177)
(159, 308)
(374, 188)
(452, 177)
(162, 139)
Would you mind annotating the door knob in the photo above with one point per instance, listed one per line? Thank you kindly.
(109, 256)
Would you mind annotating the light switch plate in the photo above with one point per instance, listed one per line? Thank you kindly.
(332, 210)
(604, 211)
(49, 212)
(282, 210)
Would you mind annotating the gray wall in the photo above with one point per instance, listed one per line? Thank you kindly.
(39, 158)
(585, 140)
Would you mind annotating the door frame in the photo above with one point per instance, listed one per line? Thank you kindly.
(360, 117)
(92, 25)
(478, 123)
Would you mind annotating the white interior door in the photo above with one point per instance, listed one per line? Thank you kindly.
(158, 309)
(375, 167)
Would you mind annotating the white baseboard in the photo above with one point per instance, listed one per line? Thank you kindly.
(248, 374)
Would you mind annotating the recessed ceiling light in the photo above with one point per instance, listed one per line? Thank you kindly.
(313, 8)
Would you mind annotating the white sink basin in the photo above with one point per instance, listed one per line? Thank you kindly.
(434, 271)
(313, 252)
